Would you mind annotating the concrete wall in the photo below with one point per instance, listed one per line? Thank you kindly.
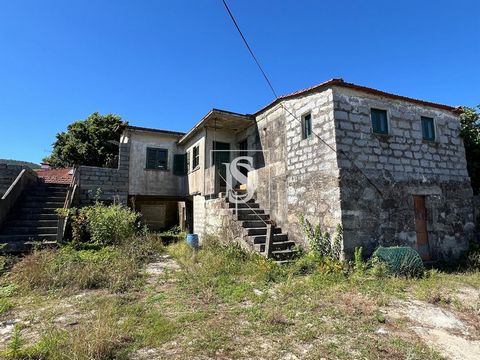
(196, 176)
(106, 184)
(401, 164)
(143, 181)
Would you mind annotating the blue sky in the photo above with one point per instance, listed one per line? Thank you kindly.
(164, 64)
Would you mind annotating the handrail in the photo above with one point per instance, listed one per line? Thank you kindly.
(269, 234)
(14, 184)
(63, 221)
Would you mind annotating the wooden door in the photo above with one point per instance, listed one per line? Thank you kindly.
(421, 226)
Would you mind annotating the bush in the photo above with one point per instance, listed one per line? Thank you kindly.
(400, 260)
(101, 225)
(321, 242)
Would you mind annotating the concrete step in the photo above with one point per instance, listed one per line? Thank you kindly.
(243, 211)
(244, 206)
(45, 204)
(27, 238)
(260, 239)
(32, 217)
(31, 223)
(28, 230)
(280, 255)
(255, 223)
(242, 216)
(27, 246)
(261, 231)
(42, 198)
(34, 210)
(279, 245)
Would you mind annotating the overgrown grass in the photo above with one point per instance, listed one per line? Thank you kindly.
(223, 303)
(112, 267)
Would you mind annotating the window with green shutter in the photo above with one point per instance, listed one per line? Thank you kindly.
(307, 125)
(157, 158)
(428, 128)
(379, 121)
(179, 164)
(196, 157)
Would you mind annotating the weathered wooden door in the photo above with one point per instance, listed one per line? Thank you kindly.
(421, 226)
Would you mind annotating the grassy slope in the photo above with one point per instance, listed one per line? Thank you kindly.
(221, 304)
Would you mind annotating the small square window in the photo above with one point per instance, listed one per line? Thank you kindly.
(157, 158)
(379, 121)
(428, 128)
(307, 126)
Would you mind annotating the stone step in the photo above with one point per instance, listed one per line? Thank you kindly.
(28, 230)
(261, 231)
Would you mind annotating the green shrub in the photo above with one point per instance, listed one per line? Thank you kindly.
(400, 260)
(359, 264)
(102, 225)
(321, 242)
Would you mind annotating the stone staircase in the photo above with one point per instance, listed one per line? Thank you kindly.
(33, 218)
(254, 221)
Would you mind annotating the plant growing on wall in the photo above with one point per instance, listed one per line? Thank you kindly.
(470, 121)
(320, 242)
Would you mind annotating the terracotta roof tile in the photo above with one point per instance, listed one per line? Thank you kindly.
(55, 176)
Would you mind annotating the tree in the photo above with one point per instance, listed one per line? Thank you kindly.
(93, 142)
(470, 121)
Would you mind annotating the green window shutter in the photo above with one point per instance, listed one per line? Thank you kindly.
(379, 121)
(428, 128)
(151, 158)
(179, 164)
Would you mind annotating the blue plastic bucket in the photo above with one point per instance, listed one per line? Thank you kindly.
(192, 240)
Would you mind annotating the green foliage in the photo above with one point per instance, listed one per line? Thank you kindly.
(400, 260)
(321, 242)
(470, 121)
(359, 265)
(93, 142)
(13, 350)
(101, 225)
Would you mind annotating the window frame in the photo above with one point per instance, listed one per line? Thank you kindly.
(434, 130)
(157, 150)
(195, 158)
(304, 127)
(387, 122)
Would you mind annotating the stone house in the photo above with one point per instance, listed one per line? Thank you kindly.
(389, 169)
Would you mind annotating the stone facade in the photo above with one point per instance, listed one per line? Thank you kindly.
(380, 210)
(342, 174)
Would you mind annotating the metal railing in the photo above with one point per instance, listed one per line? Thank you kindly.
(268, 225)
(63, 220)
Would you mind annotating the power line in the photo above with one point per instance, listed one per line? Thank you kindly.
(232, 17)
